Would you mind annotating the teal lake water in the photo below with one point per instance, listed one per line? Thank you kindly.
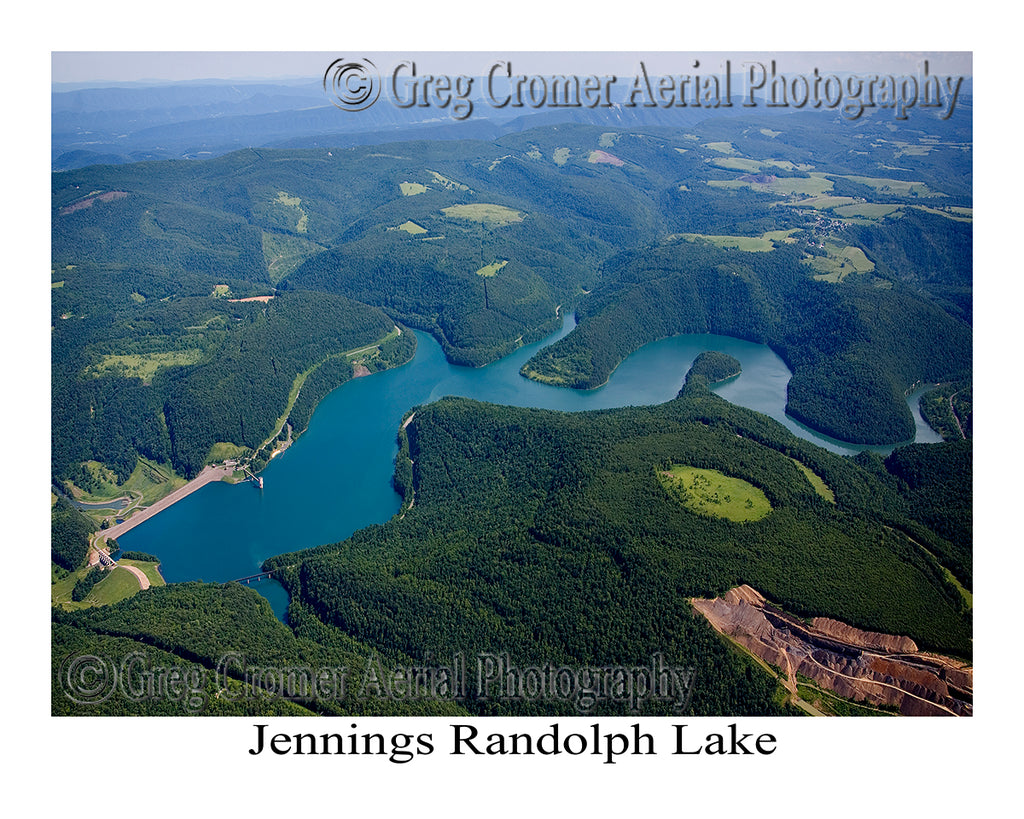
(336, 478)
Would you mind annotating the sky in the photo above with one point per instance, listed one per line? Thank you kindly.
(166, 66)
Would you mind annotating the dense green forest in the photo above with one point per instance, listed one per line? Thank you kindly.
(714, 366)
(549, 534)
(542, 534)
(69, 535)
(854, 350)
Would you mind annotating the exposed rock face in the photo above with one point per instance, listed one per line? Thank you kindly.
(878, 669)
(889, 643)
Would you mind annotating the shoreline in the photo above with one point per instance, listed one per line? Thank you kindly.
(218, 472)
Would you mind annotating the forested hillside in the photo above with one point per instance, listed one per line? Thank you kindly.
(540, 531)
(856, 272)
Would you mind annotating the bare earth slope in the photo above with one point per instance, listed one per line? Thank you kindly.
(877, 669)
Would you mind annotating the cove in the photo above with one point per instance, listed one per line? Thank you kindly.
(336, 478)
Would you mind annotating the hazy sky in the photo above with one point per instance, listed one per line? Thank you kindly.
(130, 66)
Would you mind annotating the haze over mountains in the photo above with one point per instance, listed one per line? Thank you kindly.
(138, 122)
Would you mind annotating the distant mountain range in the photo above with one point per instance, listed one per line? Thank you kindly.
(133, 123)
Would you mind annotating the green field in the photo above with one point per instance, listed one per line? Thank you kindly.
(823, 202)
(561, 156)
(867, 210)
(118, 584)
(709, 492)
(495, 215)
(721, 147)
(293, 203)
(814, 185)
(411, 227)
(736, 163)
(224, 450)
(148, 568)
(839, 263)
(956, 214)
(445, 182)
(143, 365)
(491, 269)
(894, 187)
(411, 188)
(819, 485)
(751, 244)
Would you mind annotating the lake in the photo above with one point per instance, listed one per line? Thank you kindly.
(336, 478)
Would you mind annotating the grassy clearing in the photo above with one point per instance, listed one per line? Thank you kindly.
(148, 568)
(411, 188)
(709, 492)
(768, 132)
(964, 593)
(811, 186)
(956, 214)
(116, 585)
(737, 163)
(224, 450)
(147, 484)
(895, 187)
(721, 147)
(294, 203)
(561, 155)
(839, 263)
(493, 215)
(143, 365)
(781, 235)
(411, 228)
(823, 202)
(445, 182)
(60, 591)
(867, 210)
(608, 140)
(55, 285)
(152, 481)
(283, 254)
(222, 291)
(819, 485)
(751, 244)
(491, 269)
